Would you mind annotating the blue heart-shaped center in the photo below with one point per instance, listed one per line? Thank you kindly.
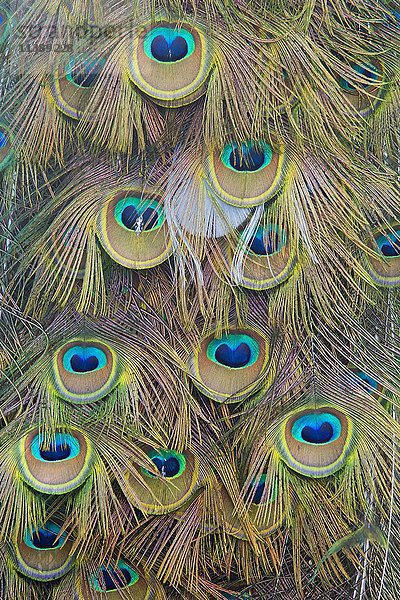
(113, 580)
(169, 49)
(259, 490)
(233, 357)
(168, 466)
(391, 249)
(265, 246)
(84, 364)
(132, 218)
(56, 451)
(317, 435)
(44, 539)
(249, 159)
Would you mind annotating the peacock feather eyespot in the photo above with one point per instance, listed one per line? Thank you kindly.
(246, 174)
(169, 44)
(268, 241)
(45, 538)
(385, 267)
(316, 442)
(108, 579)
(84, 72)
(170, 464)
(6, 146)
(133, 230)
(56, 464)
(43, 553)
(63, 446)
(234, 351)
(84, 371)
(389, 244)
(227, 368)
(248, 157)
(261, 508)
(177, 478)
(364, 91)
(171, 62)
(369, 71)
(116, 580)
(257, 493)
(365, 381)
(135, 214)
(73, 82)
(269, 260)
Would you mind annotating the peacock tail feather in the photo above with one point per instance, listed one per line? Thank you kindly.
(199, 299)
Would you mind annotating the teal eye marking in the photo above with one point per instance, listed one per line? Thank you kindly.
(84, 359)
(367, 381)
(108, 579)
(389, 244)
(234, 351)
(268, 241)
(168, 45)
(249, 157)
(317, 428)
(256, 490)
(84, 72)
(169, 463)
(135, 214)
(368, 70)
(44, 538)
(3, 139)
(63, 446)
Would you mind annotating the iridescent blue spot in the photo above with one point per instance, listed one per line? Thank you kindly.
(168, 44)
(256, 490)
(317, 428)
(389, 244)
(56, 452)
(108, 579)
(168, 462)
(130, 216)
(369, 382)
(3, 139)
(235, 351)
(136, 214)
(233, 357)
(61, 446)
(166, 50)
(45, 538)
(267, 241)
(248, 157)
(84, 359)
(321, 434)
(84, 72)
(1, 19)
(368, 71)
